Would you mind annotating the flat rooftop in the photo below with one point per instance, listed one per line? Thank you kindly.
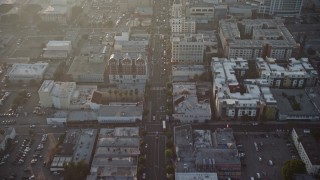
(310, 145)
(82, 66)
(284, 106)
(120, 111)
(196, 176)
(20, 69)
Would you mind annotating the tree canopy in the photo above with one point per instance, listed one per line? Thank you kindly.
(292, 167)
(76, 171)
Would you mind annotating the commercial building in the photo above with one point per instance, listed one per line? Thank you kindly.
(120, 113)
(116, 155)
(191, 104)
(183, 25)
(298, 73)
(235, 101)
(127, 68)
(9, 133)
(25, 73)
(257, 38)
(284, 8)
(307, 147)
(77, 146)
(201, 151)
(90, 68)
(187, 49)
(55, 13)
(65, 95)
(57, 49)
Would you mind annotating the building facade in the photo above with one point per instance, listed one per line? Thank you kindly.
(187, 49)
(281, 7)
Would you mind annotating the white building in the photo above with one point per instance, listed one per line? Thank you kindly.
(298, 73)
(177, 10)
(183, 25)
(57, 49)
(281, 7)
(9, 133)
(308, 149)
(27, 72)
(187, 49)
(187, 107)
(65, 95)
(230, 103)
(55, 13)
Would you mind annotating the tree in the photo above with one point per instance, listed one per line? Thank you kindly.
(169, 153)
(292, 167)
(141, 160)
(73, 171)
(144, 133)
(170, 169)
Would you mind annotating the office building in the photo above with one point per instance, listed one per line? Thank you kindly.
(284, 8)
(187, 49)
(24, 73)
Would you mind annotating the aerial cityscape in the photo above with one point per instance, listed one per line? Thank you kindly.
(160, 89)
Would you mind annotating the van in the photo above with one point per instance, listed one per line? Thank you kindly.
(154, 117)
(252, 178)
(270, 163)
(258, 175)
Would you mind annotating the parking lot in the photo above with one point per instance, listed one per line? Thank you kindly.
(264, 154)
(27, 158)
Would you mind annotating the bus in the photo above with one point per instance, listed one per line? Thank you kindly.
(164, 125)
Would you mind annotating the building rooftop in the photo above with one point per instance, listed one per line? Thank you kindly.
(59, 43)
(187, 38)
(186, 100)
(81, 116)
(196, 176)
(82, 66)
(79, 142)
(20, 69)
(54, 9)
(223, 138)
(310, 145)
(125, 110)
(284, 106)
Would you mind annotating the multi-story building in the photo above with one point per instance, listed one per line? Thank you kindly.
(77, 146)
(187, 49)
(24, 73)
(57, 49)
(65, 95)
(308, 149)
(183, 25)
(255, 38)
(297, 74)
(116, 154)
(187, 72)
(55, 13)
(90, 68)
(232, 100)
(201, 151)
(177, 10)
(126, 68)
(188, 107)
(281, 7)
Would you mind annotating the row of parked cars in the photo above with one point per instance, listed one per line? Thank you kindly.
(8, 122)
(37, 155)
(23, 152)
